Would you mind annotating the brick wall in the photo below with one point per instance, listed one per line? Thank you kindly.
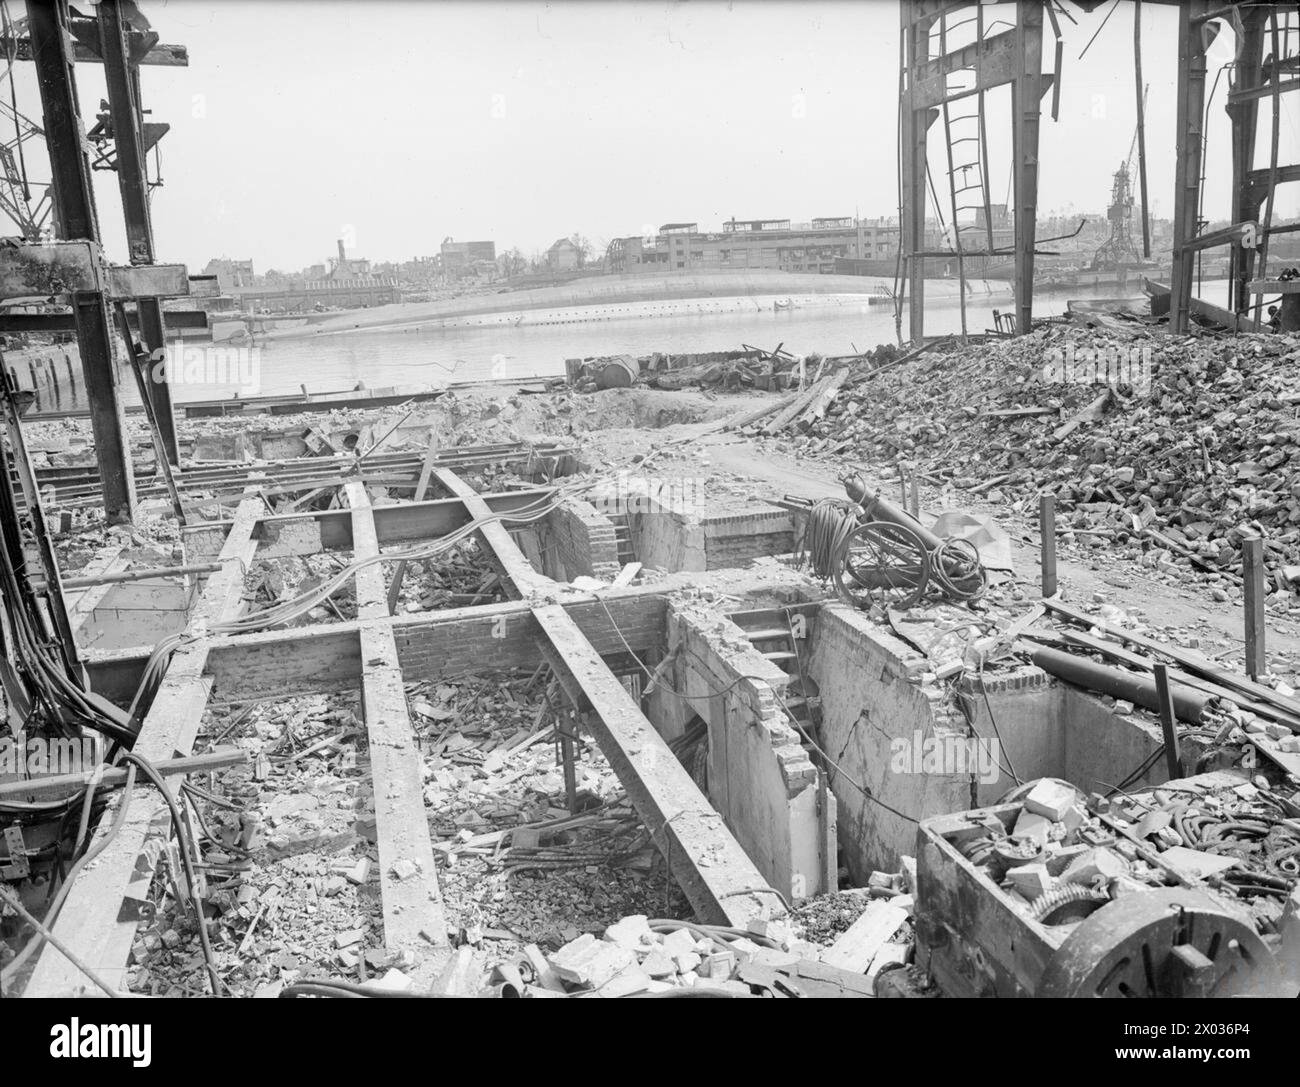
(739, 538)
(576, 539)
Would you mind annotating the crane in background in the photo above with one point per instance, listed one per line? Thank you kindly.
(1119, 251)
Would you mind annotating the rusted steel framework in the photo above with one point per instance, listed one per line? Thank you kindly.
(1263, 61)
(1265, 65)
(118, 36)
(999, 54)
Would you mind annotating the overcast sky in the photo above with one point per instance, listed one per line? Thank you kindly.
(396, 124)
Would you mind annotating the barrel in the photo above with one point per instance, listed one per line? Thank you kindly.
(620, 372)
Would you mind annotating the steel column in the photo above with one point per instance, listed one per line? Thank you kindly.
(1187, 151)
(1026, 90)
(1245, 118)
(122, 79)
(74, 212)
(916, 121)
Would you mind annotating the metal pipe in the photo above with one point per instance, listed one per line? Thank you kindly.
(140, 575)
(1189, 705)
(878, 509)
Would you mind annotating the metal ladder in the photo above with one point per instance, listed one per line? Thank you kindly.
(958, 132)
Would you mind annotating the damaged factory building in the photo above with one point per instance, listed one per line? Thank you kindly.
(963, 666)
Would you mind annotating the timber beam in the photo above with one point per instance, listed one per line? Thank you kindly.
(511, 563)
(718, 877)
(414, 918)
(108, 899)
(283, 535)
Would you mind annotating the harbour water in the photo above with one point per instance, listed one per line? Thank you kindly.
(420, 358)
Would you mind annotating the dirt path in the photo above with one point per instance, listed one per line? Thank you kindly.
(1185, 608)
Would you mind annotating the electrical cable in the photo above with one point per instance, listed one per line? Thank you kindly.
(716, 692)
(186, 845)
(10, 972)
(11, 900)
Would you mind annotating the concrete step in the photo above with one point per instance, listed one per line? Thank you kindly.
(768, 635)
(761, 618)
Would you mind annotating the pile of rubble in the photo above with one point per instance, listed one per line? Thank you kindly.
(638, 956)
(1186, 441)
(1063, 856)
(460, 576)
(290, 857)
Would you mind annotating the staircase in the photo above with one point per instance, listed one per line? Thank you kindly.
(770, 632)
(623, 538)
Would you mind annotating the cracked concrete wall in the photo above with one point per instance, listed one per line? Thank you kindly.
(1103, 747)
(877, 712)
(1052, 729)
(1026, 723)
(760, 777)
(883, 713)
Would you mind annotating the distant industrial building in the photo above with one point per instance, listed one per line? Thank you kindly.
(758, 243)
(348, 283)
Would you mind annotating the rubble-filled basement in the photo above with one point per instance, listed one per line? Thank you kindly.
(966, 665)
(553, 703)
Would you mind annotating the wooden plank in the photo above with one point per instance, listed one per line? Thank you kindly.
(792, 409)
(817, 407)
(99, 918)
(717, 876)
(626, 575)
(414, 919)
(744, 419)
(858, 944)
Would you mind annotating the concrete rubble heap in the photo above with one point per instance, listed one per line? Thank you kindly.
(1211, 447)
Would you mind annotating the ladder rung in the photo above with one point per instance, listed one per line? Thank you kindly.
(781, 655)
